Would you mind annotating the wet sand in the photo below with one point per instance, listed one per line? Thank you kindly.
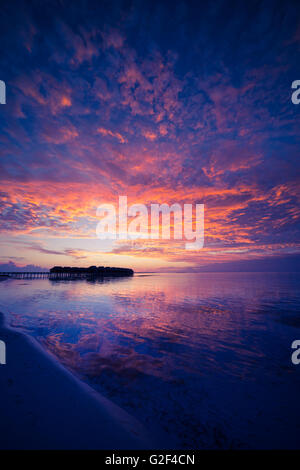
(43, 406)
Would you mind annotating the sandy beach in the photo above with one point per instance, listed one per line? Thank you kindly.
(43, 406)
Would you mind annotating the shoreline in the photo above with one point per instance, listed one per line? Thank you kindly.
(44, 406)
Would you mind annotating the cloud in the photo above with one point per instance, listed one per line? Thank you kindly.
(12, 267)
(116, 104)
(107, 132)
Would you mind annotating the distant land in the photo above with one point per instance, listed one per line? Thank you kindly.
(92, 271)
(287, 263)
(12, 267)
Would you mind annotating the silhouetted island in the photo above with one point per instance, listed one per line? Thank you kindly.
(92, 271)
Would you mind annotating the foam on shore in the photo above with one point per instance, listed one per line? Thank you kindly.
(43, 406)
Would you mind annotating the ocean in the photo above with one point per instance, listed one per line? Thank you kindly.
(204, 357)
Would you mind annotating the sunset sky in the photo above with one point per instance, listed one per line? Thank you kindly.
(165, 102)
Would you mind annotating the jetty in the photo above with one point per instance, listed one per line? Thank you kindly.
(24, 275)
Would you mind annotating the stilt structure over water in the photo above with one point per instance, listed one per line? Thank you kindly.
(59, 272)
(92, 272)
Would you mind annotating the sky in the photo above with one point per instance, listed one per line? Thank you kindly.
(164, 102)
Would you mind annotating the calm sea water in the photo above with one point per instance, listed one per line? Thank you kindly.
(205, 357)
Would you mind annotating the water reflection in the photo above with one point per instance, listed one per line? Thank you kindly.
(196, 354)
